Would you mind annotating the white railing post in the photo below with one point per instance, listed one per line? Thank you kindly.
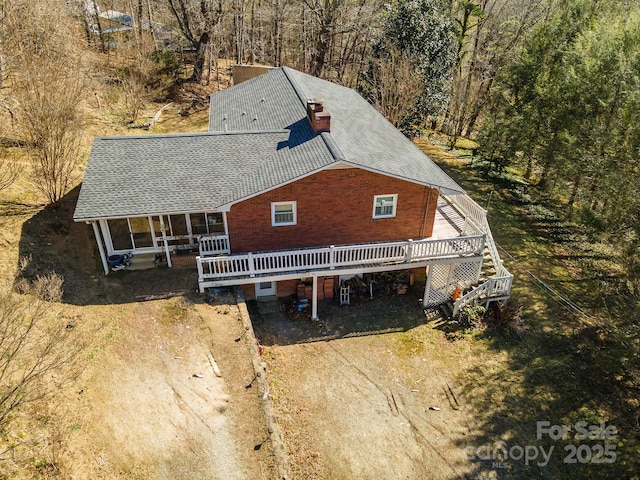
(314, 299)
(200, 272)
(252, 269)
(332, 257)
(409, 250)
(427, 287)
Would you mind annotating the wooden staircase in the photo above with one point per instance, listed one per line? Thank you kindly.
(494, 283)
(488, 267)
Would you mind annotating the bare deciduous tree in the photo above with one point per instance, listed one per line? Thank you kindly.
(51, 122)
(197, 21)
(8, 173)
(46, 87)
(34, 345)
(395, 86)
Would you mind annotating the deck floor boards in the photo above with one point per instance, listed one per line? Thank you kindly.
(448, 222)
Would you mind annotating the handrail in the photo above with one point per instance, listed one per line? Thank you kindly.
(331, 257)
(478, 217)
(492, 288)
(214, 245)
(469, 209)
(500, 284)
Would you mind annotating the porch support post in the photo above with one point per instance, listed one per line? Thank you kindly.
(103, 256)
(106, 235)
(314, 299)
(427, 287)
(166, 243)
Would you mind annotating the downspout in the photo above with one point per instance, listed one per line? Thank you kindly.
(426, 214)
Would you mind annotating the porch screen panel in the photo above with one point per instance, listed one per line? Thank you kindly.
(120, 236)
(216, 223)
(157, 227)
(141, 231)
(178, 229)
(198, 223)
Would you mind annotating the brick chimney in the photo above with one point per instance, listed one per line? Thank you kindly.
(319, 116)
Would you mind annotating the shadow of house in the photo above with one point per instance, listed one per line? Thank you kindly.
(54, 243)
(278, 323)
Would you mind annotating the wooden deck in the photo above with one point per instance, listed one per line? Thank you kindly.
(448, 222)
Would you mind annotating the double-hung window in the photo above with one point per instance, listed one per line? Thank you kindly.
(384, 206)
(283, 213)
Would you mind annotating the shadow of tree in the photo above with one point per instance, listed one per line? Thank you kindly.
(16, 209)
(564, 375)
(55, 243)
(565, 369)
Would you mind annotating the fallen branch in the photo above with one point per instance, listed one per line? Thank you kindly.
(149, 125)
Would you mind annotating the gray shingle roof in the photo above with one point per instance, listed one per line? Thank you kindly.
(367, 139)
(359, 133)
(259, 138)
(181, 173)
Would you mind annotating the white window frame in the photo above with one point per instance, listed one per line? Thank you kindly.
(394, 196)
(273, 214)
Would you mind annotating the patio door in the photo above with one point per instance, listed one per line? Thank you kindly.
(265, 289)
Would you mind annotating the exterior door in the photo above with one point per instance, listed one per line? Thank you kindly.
(265, 289)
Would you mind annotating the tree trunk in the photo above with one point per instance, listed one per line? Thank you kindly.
(201, 55)
(529, 170)
(483, 94)
(572, 198)
(97, 19)
(151, 29)
(239, 30)
(139, 19)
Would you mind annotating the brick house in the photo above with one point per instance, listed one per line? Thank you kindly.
(297, 180)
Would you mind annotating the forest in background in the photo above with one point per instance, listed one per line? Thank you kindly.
(548, 90)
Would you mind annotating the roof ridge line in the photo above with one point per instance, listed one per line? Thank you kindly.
(189, 134)
(328, 140)
(301, 96)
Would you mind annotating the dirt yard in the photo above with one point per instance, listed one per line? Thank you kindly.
(369, 392)
(148, 403)
(152, 405)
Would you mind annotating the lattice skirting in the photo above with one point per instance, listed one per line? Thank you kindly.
(446, 277)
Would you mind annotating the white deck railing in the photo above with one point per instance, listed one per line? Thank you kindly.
(216, 245)
(477, 217)
(494, 288)
(500, 285)
(332, 257)
(471, 211)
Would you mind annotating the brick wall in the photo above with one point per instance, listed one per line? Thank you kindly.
(333, 207)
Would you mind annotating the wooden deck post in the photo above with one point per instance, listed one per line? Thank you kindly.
(314, 299)
(96, 232)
